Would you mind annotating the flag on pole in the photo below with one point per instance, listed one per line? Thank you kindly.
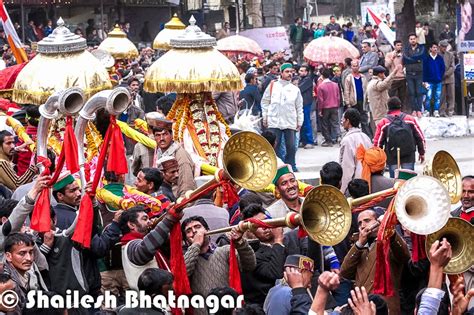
(387, 32)
(12, 37)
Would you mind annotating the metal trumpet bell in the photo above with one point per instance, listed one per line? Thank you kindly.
(423, 205)
(326, 215)
(443, 167)
(460, 234)
(249, 160)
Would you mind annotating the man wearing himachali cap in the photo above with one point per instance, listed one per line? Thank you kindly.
(165, 146)
(67, 193)
(291, 295)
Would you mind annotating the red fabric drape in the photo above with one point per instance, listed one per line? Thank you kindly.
(83, 231)
(230, 196)
(115, 162)
(41, 218)
(418, 243)
(383, 284)
(234, 272)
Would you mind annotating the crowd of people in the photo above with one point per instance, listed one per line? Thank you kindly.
(370, 107)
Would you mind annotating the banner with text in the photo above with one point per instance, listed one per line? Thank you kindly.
(269, 38)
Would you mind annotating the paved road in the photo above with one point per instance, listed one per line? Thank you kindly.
(309, 162)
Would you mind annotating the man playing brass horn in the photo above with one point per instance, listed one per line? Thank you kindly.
(359, 263)
(286, 186)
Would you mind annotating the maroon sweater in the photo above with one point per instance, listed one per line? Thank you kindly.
(328, 95)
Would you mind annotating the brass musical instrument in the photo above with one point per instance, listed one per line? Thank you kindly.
(68, 102)
(114, 101)
(443, 167)
(325, 215)
(423, 205)
(460, 234)
(249, 161)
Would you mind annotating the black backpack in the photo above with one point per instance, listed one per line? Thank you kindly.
(399, 135)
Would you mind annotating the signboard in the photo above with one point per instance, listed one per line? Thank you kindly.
(380, 10)
(269, 38)
(465, 27)
(469, 66)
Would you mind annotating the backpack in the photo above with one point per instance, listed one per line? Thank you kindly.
(399, 135)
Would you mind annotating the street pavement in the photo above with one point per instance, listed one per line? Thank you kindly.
(310, 161)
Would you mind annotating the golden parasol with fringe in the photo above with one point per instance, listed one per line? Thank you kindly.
(193, 65)
(62, 62)
(118, 45)
(172, 29)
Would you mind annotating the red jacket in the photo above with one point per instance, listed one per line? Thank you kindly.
(380, 137)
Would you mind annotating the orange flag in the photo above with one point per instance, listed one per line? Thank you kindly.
(12, 37)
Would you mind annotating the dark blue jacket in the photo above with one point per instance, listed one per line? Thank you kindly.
(433, 69)
(253, 97)
(413, 60)
(306, 88)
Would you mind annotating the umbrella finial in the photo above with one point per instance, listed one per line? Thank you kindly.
(60, 22)
(192, 20)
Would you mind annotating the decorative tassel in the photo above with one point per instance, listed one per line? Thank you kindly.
(383, 284)
(177, 265)
(118, 163)
(41, 220)
(83, 231)
(418, 250)
(234, 272)
(41, 217)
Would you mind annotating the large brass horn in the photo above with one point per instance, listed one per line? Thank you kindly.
(325, 215)
(460, 234)
(443, 167)
(249, 161)
(422, 205)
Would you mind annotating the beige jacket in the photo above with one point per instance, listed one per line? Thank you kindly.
(449, 65)
(377, 95)
(391, 63)
(350, 97)
(351, 167)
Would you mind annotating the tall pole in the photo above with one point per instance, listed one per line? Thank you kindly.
(237, 17)
(22, 10)
(102, 17)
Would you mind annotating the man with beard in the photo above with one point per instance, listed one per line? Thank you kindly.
(466, 210)
(359, 263)
(286, 186)
(8, 176)
(140, 249)
(162, 130)
(270, 254)
(67, 193)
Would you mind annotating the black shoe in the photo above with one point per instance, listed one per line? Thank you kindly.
(326, 144)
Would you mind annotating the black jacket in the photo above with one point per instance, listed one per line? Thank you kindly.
(270, 261)
(306, 88)
(413, 60)
(65, 215)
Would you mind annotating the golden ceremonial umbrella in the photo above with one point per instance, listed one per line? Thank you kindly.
(193, 65)
(118, 45)
(172, 29)
(62, 62)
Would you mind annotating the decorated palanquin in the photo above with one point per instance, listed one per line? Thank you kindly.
(194, 68)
